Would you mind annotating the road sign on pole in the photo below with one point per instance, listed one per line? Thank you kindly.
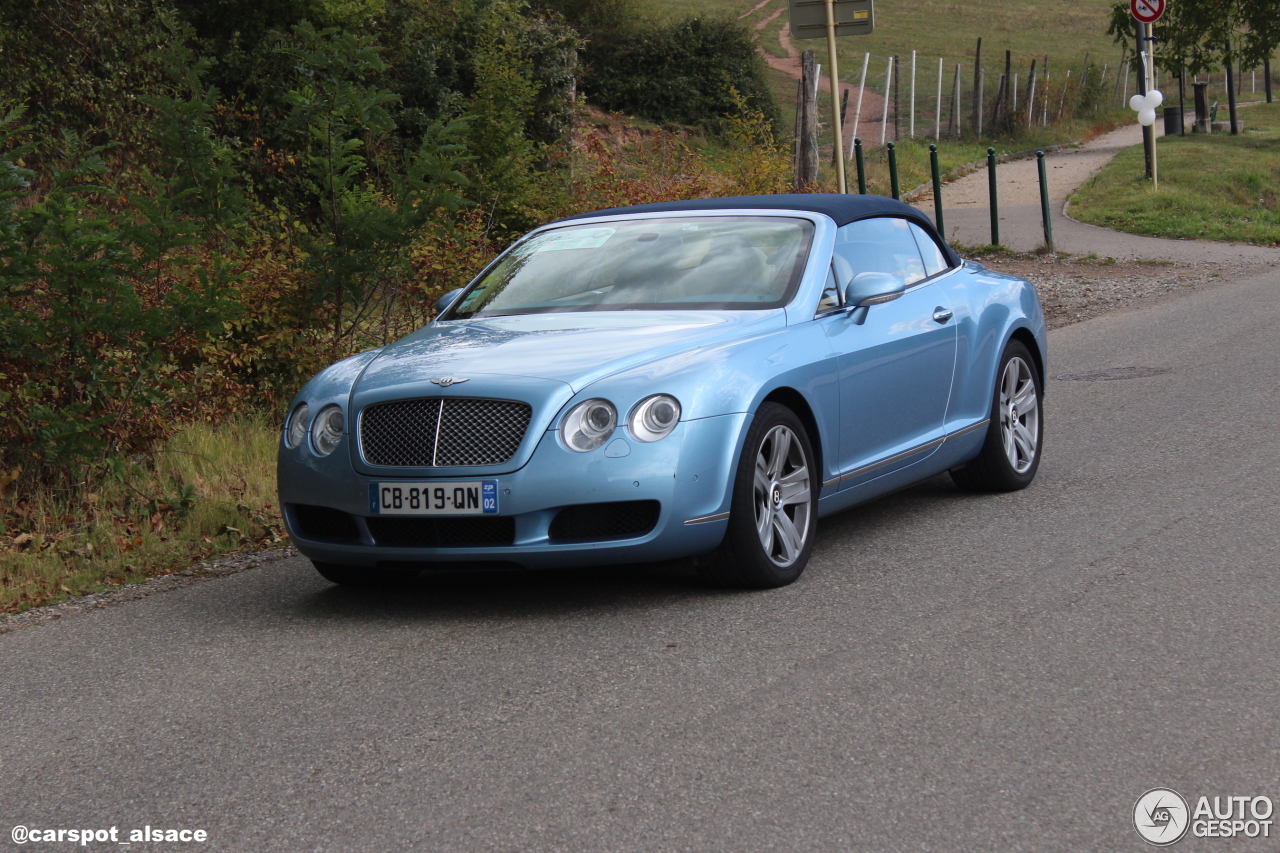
(1146, 11)
(851, 18)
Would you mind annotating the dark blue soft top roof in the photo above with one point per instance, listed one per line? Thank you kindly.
(841, 208)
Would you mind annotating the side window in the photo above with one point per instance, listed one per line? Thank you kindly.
(884, 244)
(830, 293)
(934, 260)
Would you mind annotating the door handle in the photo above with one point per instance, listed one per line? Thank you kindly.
(941, 314)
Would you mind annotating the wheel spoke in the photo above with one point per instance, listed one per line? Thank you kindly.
(1025, 399)
(762, 481)
(764, 528)
(1006, 433)
(1010, 385)
(1025, 440)
(781, 441)
(788, 537)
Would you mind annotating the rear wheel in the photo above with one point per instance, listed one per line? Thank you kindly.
(1011, 453)
(359, 575)
(773, 516)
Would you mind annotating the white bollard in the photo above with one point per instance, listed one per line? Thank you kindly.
(912, 131)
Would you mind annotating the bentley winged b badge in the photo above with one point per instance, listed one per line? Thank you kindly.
(446, 381)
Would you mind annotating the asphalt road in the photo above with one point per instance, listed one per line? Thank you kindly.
(953, 672)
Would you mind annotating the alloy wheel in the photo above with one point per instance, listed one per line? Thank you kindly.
(783, 497)
(1019, 414)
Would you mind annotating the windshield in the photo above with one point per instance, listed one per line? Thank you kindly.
(702, 262)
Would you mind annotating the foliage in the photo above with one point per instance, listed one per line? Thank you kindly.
(356, 246)
(1204, 36)
(95, 308)
(680, 72)
(80, 68)
(760, 162)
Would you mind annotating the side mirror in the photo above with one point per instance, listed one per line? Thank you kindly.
(447, 299)
(871, 288)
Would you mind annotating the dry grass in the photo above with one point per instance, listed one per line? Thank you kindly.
(208, 490)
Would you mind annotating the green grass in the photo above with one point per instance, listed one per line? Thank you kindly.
(209, 490)
(1212, 187)
(922, 25)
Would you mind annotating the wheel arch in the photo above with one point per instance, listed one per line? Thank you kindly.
(1023, 336)
(796, 402)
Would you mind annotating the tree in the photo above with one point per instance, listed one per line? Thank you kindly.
(1205, 36)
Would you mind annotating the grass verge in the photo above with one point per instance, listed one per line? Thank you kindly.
(1212, 186)
(209, 490)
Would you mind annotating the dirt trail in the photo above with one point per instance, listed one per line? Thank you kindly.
(869, 124)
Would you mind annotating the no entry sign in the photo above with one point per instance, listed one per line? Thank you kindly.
(1146, 11)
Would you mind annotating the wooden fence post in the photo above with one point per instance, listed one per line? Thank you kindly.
(807, 159)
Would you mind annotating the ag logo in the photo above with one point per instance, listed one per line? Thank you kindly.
(1161, 816)
(446, 381)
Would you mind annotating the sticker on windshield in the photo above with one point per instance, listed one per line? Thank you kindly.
(576, 238)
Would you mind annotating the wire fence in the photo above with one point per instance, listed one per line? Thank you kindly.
(927, 96)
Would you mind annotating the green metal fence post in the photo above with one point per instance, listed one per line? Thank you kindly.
(995, 212)
(937, 190)
(862, 166)
(1044, 202)
(893, 171)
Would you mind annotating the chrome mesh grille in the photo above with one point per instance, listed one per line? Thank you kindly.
(441, 432)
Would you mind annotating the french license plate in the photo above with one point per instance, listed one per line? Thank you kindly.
(477, 497)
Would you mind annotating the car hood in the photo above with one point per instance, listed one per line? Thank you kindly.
(575, 349)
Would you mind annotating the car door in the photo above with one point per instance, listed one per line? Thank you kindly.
(896, 367)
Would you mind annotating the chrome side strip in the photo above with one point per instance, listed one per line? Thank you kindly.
(717, 517)
(920, 448)
(982, 424)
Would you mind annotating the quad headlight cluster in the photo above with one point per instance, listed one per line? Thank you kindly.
(591, 423)
(326, 429)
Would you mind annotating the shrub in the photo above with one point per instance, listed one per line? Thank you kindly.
(683, 72)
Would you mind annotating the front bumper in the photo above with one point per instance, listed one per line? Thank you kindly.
(689, 474)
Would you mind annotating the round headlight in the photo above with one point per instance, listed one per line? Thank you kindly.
(326, 432)
(589, 425)
(295, 430)
(655, 417)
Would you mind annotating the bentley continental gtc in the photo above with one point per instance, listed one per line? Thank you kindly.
(696, 379)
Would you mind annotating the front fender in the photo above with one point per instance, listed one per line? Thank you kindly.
(734, 378)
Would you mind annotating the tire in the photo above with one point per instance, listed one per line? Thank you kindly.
(1011, 454)
(773, 517)
(359, 576)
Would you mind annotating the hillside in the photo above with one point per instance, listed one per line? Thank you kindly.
(947, 28)
(936, 29)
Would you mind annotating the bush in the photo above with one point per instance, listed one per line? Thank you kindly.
(684, 72)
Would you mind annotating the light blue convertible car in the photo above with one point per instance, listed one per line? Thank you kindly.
(688, 379)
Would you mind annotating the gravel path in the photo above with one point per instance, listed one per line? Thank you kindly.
(967, 219)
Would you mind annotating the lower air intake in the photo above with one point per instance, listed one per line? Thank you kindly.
(447, 532)
(323, 523)
(621, 520)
